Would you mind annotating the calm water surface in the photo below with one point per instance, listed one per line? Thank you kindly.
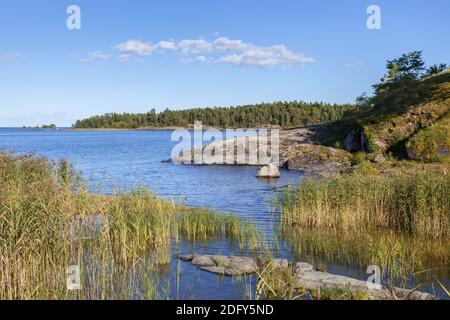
(127, 159)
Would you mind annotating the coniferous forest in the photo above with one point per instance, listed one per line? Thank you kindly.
(282, 114)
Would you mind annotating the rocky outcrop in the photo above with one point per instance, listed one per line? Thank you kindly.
(249, 150)
(389, 131)
(316, 159)
(296, 151)
(306, 275)
(270, 171)
(300, 150)
(441, 151)
(355, 141)
(431, 144)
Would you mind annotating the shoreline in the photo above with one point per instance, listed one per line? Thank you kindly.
(171, 128)
(124, 129)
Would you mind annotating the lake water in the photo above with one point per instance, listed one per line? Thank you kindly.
(126, 159)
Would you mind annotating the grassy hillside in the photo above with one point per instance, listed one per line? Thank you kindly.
(396, 117)
(406, 111)
(431, 144)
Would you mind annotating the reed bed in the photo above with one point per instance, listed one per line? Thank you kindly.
(399, 220)
(195, 224)
(399, 256)
(49, 221)
(413, 203)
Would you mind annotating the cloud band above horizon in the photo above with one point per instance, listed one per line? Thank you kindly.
(220, 50)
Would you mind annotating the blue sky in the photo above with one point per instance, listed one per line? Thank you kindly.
(130, 56)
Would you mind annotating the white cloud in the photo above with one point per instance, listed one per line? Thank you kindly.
(263, 57)
(250, 58)
(200, 59)
(225, 44)
(98, 55)
(11, 58)
(219, 50)
(167, 45)
(124, 57)
(194, 46)
(136, 47)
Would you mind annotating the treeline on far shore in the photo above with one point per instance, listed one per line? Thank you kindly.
(282, 114)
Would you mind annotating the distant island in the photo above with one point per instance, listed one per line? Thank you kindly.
(276, 114)
(44, 126)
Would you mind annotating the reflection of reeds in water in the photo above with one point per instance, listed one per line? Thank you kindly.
(200, 224)
(402, 260)
(48, 222)
(399, 256)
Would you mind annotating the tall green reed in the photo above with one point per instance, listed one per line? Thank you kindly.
(416, 203)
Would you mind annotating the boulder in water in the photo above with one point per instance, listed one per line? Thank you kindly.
(269, 171)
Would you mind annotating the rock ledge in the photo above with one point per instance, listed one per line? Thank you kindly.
(307, 276)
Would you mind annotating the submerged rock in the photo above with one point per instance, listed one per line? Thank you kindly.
(310, 278)
(186, 257)
(307, 276)
(269, 171)
(228, 265)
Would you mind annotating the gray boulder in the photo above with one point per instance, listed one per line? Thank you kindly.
(229, 265)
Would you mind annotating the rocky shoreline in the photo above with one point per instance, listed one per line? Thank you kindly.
(298, 150)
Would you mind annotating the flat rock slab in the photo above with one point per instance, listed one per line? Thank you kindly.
(228, 265)
(308, 277)
(237, 151)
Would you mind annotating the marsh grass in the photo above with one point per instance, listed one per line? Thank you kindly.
(414, 203)
(49, 221)
(401, 260)
(275, 284)
(335, 294)
(281, 284)
(204, 225)
(399, 221)
(400, 257)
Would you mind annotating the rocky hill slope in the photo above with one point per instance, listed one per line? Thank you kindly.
(410, 123)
